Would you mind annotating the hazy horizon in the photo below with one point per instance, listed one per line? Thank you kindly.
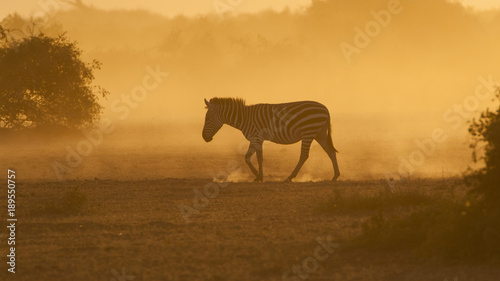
(173, 8)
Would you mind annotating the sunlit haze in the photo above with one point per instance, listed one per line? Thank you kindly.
(193, 7)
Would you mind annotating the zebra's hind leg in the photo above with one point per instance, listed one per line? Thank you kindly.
(304, 154)
(260, 160)
(326, 143)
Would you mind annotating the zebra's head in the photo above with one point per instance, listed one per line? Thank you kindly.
(213, 122)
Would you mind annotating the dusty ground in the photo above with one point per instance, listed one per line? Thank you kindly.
(134, 230)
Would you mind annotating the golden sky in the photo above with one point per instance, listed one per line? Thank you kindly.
(191, 7)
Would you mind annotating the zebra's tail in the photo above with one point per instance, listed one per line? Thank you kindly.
(329, 135)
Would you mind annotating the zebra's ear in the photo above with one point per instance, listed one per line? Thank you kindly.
(207, 103)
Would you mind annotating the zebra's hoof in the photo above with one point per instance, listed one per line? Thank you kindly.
(258, 180)
(288, 180)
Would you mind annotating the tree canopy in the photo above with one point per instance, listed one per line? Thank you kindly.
(486, 130)
(45, 83)
(481, 226)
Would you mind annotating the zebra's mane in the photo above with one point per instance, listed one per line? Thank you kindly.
(237, 102)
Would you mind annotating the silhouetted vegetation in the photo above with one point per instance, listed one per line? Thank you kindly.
(45, 83)
(486, 133)
(485, 214)
(467, 229)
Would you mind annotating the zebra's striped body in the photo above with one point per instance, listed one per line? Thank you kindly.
(284, 123)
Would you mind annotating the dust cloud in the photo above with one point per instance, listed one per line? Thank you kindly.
(406, 74)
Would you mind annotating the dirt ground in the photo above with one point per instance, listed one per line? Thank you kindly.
(168, 230)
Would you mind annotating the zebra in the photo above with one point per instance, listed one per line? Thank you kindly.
(284, 123)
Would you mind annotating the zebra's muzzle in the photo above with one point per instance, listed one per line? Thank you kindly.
(207, 138)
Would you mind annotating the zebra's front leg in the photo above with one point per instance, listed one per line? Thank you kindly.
(248, 157)
(304, 154)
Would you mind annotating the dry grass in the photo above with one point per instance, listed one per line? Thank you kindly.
(248, 232)
(71, 202)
